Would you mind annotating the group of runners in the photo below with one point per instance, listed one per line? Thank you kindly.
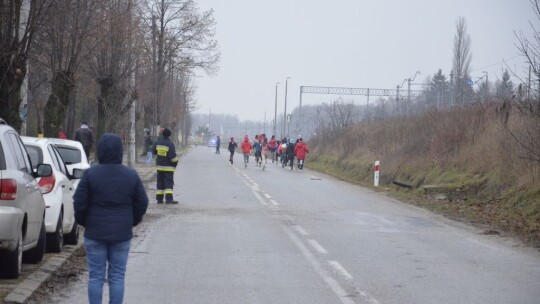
(282, 152)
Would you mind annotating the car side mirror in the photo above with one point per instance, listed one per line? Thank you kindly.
(77, 173)
(43, 170)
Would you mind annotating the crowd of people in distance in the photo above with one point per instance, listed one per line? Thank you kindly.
(283, 152)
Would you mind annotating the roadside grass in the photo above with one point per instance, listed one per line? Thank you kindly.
(474, 174)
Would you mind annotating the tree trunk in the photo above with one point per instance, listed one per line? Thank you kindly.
(58, 102)
(10, 92)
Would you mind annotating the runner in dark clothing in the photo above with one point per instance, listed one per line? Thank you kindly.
(232, 147)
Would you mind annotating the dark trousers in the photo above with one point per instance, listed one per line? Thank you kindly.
(165, 183)
(231, 157)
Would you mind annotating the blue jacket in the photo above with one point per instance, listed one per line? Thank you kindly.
(110, 198)
(257, 146)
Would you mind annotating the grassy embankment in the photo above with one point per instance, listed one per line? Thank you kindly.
(461, 163)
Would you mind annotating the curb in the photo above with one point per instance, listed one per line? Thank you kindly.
(24, 290)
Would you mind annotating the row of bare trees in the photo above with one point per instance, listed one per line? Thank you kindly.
(92, 59)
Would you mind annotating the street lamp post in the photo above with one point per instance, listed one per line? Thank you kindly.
(275, 111)
(300, 114)
(285, 111)
(289, 117)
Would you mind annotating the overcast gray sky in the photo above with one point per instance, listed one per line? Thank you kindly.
(347, 43)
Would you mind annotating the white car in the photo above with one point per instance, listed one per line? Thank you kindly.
(58, 191)
(73, 154)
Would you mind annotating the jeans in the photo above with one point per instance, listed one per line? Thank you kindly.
(148, 157)
(100, 255)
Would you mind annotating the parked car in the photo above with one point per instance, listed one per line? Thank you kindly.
(22, 208)
(212, 143)
(73, 154)
(58, 191)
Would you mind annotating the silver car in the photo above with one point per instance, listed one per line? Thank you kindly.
(22, 208)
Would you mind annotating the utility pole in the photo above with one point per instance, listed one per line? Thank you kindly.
(285, 111)
(452, 88)
(300, 113)
(275, 111)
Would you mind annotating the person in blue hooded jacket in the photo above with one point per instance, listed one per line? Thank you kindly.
(109, 201)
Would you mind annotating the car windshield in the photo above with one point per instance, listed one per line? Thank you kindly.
(36, 155)
(70, 155)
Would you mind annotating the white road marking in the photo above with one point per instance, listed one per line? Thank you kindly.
(273, 202)
(267, 195)
(259, 198)
(300, 230)
(317, 246)
(337, 267)
(339, 291)
(343, 296)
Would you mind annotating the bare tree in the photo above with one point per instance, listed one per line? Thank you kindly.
(62, 47)
(113, 61)
(462, 60)
(19, 22)
(336, 117)
(180, 41)
(521, 111)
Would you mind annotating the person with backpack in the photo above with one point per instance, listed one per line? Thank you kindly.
(290, 153)
(301, 149)
(283, 152)
(232, 147)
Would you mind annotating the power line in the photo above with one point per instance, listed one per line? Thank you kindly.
(493, 64)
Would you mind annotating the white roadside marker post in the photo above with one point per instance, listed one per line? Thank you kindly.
(376, 179)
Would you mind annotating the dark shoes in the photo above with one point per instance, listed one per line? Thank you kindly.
(160, 202)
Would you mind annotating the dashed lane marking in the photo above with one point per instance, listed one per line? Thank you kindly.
(343, 296)
(273, 202)
(317, 246)
(339, 269)
(300, 230)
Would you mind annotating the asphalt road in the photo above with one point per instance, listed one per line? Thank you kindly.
(244, 235)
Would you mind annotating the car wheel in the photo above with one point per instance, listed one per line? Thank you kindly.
(55, 240)
(35, 255)
(72, 238)
(11, 265)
